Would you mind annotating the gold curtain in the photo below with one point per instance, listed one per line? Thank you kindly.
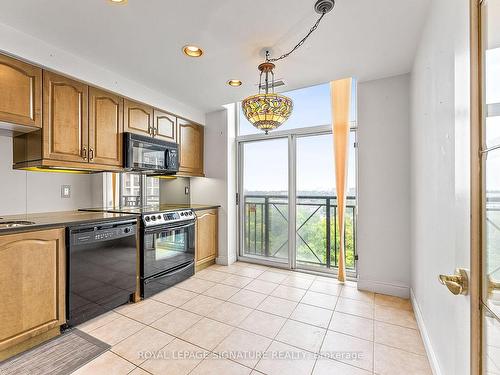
(340, 92)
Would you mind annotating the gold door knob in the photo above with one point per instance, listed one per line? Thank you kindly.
(493, 285)
(457, 283)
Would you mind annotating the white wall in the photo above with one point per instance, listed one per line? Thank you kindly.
(384, 186)
(28, 192)
(218, 187)
(31, 49)
(440, 182)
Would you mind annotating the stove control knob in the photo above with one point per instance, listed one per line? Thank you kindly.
(182, 213)
(147, 218)
(159, 217)
(153, 218)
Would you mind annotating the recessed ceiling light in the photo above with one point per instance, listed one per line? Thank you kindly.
(234, 82)
(192, 51)
(118, 1)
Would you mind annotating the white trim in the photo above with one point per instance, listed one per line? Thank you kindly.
(436, 370)
(226, 260)
(398, 290)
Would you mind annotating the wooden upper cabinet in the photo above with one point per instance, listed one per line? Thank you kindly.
(32, 276)
(105, 127)
(20, 92)
(190, 139)
(65, 118)
(138, 118)
(206, 236)
(165, 126)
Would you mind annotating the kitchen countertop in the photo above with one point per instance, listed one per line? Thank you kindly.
(46, 220)
(152, 208)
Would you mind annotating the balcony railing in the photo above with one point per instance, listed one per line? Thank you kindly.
(317, 237)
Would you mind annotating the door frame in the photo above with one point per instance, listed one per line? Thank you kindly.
(476, 233)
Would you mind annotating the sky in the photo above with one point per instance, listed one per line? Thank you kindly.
(266, 162)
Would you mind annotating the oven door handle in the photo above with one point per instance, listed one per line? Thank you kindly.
(181, 268)
(163, 228)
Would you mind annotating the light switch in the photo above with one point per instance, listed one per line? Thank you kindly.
(65, 191)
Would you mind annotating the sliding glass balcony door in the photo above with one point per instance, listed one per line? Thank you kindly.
(295, 168)
(264, 199)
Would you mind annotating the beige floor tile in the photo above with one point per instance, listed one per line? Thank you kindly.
(202, 305)
(283, 359)
(336, 343)
(329, 280)
(146, 311)
(301, 335)
(352, 325)
(320, 300)
(211, 275)
(176, 322)
(117, 330)
(353, 307)
(237, 281)
(218, 366)
(273, 277)
(139, 371)
(207, 333)
(325, 366)
(391, 315)
(354, 293)
(288, 292)
(174, 296)
(261, 286)
(254, 265)
(250, 272)
(277, 306)
(309, 314)
(230, 313)
(297, 282)
(232, 268)
(136, 348)
(326, 288)
(391, 361)
(107, 363)
(243, 347)
(263, 323)
(391, 301)
(399, 337)
(178, 358)
(221, 291)
(248, 298)
(98, 322)
(196, 285)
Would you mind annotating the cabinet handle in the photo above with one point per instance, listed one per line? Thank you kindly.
(150, 130)
(155, 132)
(91, 154)
(84, 153)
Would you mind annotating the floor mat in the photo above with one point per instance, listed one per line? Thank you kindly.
(61, 355)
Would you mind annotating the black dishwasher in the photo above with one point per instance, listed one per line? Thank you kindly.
(101, 268)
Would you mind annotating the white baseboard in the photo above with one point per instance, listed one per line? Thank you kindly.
(225, 261)
(436, 370)
(381, 287)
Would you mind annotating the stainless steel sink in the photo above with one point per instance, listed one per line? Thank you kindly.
(15, 223)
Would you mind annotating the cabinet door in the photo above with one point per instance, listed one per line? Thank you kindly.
(165, 126)
(206, 235)
(65, 118)
(190, 139)
(105, 127)
(20, 92)
(138, 118)
(32, 284)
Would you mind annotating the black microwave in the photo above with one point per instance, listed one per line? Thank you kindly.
(149, 155)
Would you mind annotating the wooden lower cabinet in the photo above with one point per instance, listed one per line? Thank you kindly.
(32, 287)
(207, 243)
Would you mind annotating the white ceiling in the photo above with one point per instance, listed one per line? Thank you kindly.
(142, 40)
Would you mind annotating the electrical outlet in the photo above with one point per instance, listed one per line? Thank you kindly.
(186, 190)
(65, 191)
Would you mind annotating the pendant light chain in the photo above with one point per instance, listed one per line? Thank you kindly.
(302, 41)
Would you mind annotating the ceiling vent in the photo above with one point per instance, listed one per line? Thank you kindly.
(277, 83)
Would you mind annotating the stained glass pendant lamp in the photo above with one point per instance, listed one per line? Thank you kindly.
(268, 110)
